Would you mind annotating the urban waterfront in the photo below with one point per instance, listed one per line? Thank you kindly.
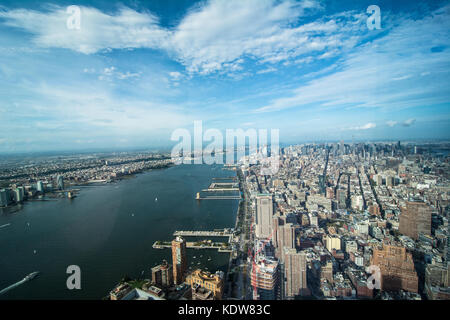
(108, 231)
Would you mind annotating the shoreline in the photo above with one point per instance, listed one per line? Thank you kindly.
(54, 196)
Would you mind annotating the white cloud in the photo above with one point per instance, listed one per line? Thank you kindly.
(367, 126)
(111, 73)
(219, 33)
(367, 76)
(402, 77)
(391, 123)
(215, 36)
(99, 31)
(267, 70)
(103, 112)
(409, 122)
(175, 75)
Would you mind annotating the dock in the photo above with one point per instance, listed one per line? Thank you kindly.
(226, 189)
(216, 233)
(194, 245)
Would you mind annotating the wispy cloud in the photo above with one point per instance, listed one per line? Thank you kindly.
(391, 123)
(369, 125)
(127, 75)
(111, 73)
(373, 74)
(409, 122)
(99, 31)
(215, 36)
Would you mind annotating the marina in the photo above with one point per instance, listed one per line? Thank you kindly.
(99, 229)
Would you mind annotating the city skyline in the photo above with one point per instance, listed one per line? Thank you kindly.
(135, 72)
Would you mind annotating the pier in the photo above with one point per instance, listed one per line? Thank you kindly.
(233, 178)
(195, 245)
(216, 233)
(218, 198)
(221, 188)
(202, 244)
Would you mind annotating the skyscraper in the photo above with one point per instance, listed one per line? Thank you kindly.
(265, 278)
(415, 219)
(4, 197)
(179, 259)
(40, 186)
(285, 238)
(60, 182)
(18, 195)
(295, 273)
(264, 213)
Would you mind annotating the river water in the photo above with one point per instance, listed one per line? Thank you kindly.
(108, 231)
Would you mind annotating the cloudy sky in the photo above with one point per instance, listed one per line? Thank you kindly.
(135, 71)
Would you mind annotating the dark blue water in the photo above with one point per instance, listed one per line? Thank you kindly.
(108, 231)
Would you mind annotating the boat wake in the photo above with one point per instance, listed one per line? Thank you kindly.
(29, 277)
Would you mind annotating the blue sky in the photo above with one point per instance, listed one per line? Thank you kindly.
(135, 71)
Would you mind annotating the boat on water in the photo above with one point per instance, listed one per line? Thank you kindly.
(31, 276)
(71, 195)
(5, 225)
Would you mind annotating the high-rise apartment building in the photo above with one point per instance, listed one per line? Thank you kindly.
(60, 182)
(265, 279)
(415, 219)
(285, 238)
(40, 186)
(179, 260)
(264, 213)
(162, 275)
(396, 267)
(295, 273)
(333, 242)
(4, 195)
